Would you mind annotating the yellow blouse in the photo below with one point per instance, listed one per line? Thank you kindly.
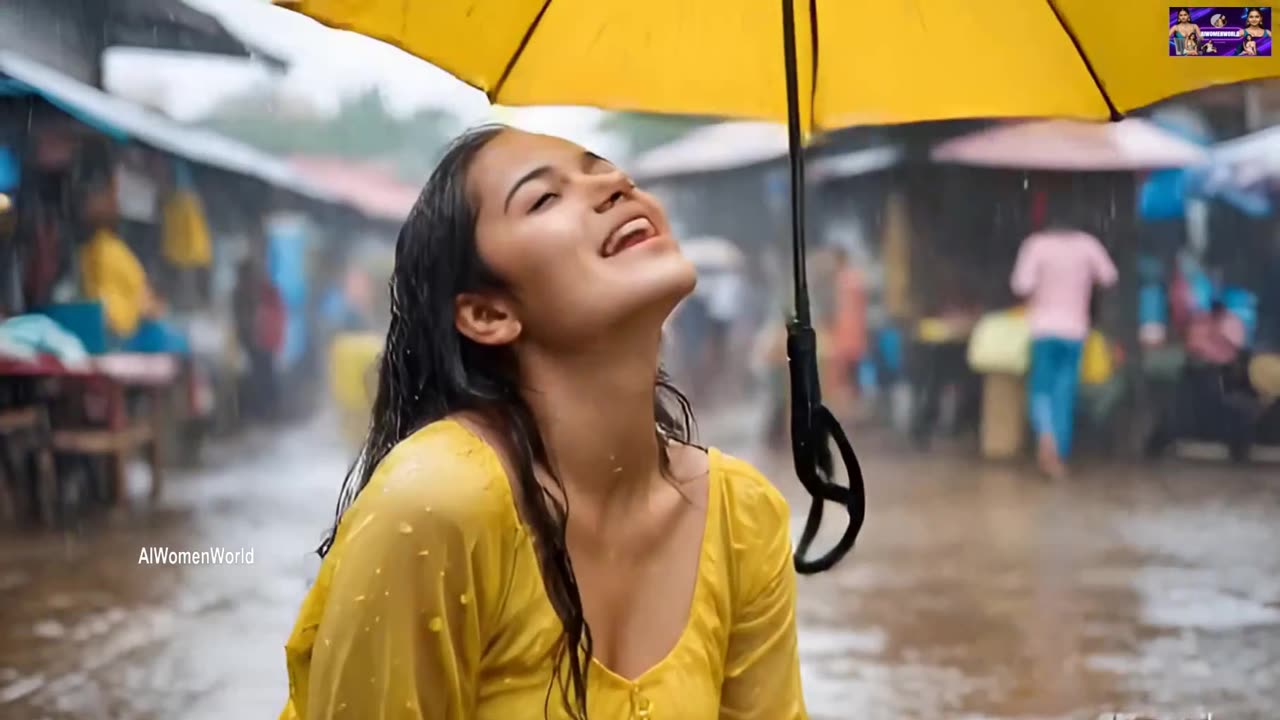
(430, 605)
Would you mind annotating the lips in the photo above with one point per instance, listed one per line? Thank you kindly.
(628, 235)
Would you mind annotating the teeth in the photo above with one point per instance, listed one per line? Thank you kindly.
(631, 227)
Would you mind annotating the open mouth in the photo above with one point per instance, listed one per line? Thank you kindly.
(628, 235)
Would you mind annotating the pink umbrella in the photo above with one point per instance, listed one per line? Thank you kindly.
(1129, 145)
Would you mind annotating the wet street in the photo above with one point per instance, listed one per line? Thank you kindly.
(975, 592)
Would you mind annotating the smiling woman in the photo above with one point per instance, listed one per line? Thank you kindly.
(520, 380)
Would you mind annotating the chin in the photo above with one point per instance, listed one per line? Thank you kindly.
(653, 291)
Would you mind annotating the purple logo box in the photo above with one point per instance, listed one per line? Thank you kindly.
(1220, 31)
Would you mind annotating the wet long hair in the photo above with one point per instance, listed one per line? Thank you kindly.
(429, 371)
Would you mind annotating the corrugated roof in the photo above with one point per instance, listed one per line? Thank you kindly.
(126, 120)
(368, 188)
(1129, 145)
(714, 148)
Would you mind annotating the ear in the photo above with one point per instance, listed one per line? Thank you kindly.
(486, 319)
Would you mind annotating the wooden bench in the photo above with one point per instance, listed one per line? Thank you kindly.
(25, 431)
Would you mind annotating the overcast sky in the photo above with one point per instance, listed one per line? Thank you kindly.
(325, 66)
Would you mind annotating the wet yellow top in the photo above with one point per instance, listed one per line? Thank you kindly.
(431, 605)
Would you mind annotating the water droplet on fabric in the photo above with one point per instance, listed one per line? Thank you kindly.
(424, 553)
(436, 624)
(427, 508)
(464, 599)
(377, 619)
(359, 598)
(377, 571)
(405, 528)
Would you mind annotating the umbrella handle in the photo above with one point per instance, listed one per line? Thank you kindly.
(813, 426)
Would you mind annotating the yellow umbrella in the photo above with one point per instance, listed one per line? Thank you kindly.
(847, 62)
(878, 62)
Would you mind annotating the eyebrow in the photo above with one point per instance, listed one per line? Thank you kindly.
(588, 157)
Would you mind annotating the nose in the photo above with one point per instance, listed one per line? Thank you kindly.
(613, 187)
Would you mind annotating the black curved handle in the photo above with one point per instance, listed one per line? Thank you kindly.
(813, 427)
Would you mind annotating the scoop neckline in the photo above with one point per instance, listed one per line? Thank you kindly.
(715, 468)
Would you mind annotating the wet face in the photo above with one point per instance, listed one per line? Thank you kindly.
(1184, 16)
(1255, 18)
(581, 250)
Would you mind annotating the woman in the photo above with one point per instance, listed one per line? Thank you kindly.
(528, 525)
(1056, 271)
(1184, 33)
(1253, 26)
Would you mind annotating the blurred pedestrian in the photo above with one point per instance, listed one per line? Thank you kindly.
(528, 519)
(1212, 400)
(848, 327)
(1056, 270)
(260, 325)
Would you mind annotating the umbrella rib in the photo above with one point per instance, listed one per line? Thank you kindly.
(515, 57)
(813, 81)
(1116, 115)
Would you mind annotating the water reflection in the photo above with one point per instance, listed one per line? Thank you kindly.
(976, 592)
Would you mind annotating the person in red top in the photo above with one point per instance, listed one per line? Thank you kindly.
(1204, 402)
(260, 327)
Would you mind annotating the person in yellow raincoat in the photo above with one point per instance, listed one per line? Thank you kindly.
(529, 530)
(109, 270)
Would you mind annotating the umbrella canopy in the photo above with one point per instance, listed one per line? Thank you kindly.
(877, 63)
(1132, 144)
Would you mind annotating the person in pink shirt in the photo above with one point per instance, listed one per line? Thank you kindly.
(1056, 271)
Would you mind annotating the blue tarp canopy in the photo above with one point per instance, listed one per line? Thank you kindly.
(125, 121)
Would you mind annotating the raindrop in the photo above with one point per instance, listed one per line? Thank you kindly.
(359, 598)
(427, 508)
(464, 599)
(424, 553)
(342, 706)
(436, 624)
(377, 619)
(327, 643)
(408, 705)
(367, 628)
(506, 681)
(377, 571)
(617, 470)
(405, 528)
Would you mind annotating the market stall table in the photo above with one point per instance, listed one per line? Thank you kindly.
(99, 391)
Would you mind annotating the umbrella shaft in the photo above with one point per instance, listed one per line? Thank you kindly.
(796, 156)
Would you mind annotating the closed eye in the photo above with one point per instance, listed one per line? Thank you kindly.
(542, 201)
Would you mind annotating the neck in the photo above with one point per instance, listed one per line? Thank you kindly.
(594, 409)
